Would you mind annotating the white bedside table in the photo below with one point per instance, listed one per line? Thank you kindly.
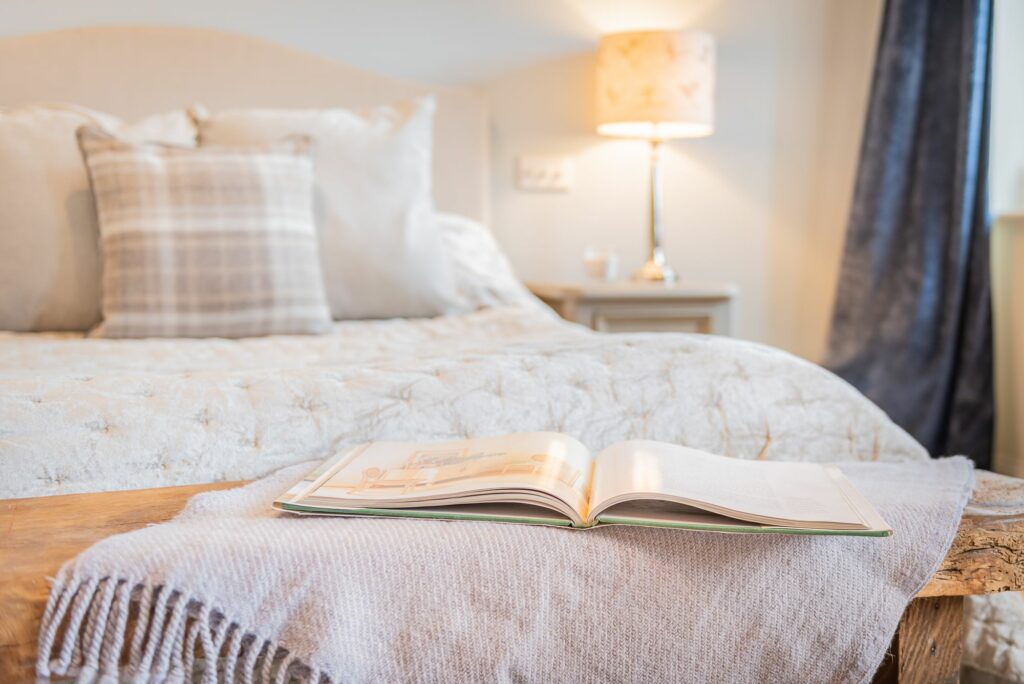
(632, 306)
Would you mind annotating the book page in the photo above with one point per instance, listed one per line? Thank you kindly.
(667, 514)
(433, 473)
(799, 493)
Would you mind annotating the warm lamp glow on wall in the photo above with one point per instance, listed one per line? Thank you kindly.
(656, 85)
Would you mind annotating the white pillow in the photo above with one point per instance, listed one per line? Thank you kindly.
(49, 252)
(380, 247)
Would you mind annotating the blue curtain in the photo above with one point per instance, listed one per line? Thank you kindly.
(912, 321)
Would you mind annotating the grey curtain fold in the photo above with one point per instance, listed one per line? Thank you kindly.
(912, 326)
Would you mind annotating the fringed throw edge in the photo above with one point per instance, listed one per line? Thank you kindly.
(111, 629)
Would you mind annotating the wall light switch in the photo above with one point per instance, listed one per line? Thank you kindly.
(537, 173)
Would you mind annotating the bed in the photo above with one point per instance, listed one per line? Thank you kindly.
(91, 415)
(85, 415)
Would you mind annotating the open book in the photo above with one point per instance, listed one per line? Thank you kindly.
(548, 478)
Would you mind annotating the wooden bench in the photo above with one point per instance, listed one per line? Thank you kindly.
(38, 535)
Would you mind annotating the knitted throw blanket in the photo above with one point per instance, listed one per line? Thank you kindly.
(230, 590)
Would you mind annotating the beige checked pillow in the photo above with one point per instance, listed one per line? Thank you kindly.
(205, 242)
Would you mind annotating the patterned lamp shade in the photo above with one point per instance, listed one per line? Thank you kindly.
(656, 84)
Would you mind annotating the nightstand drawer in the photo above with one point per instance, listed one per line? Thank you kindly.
(695, 319)
(642, 307)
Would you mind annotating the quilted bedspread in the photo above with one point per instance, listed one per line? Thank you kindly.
(86, 414)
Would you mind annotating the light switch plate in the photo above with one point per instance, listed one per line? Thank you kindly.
(544, 173)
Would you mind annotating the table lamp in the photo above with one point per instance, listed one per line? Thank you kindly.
(656, 85)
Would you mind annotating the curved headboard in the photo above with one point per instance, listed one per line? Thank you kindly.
(132, 71)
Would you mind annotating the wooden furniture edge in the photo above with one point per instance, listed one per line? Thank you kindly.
(628, 290)
(35, 542)
(987, 553)
(986, 556)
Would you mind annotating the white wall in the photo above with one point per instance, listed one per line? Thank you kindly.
(434, 41)
(762, 203)
(1006, 168)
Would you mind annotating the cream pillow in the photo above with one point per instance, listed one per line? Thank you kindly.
(207, 242)
(49, 254)
(380, 247)
(484, 277)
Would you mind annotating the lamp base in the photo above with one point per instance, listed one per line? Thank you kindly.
(657, 273)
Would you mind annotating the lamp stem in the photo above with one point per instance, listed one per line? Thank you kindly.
(656, 269)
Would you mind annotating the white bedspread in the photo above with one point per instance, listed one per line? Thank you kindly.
(84, 415)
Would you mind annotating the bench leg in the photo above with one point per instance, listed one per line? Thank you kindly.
(927, 644)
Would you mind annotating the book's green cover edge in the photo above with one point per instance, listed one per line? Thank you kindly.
(739, 529)
(601, 521)
(406, 513)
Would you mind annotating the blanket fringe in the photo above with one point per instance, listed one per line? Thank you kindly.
(108, 630)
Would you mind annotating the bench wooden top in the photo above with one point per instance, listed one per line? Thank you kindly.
(37, 535)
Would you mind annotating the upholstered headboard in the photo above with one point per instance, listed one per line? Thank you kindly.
(132, 71)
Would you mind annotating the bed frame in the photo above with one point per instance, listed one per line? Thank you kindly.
(132, 71)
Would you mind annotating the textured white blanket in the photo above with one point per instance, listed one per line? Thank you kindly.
(332, 599)
(88, 415)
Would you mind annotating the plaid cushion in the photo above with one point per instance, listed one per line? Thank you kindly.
(207, 242)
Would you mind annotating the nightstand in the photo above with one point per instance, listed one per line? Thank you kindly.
(632, 306)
